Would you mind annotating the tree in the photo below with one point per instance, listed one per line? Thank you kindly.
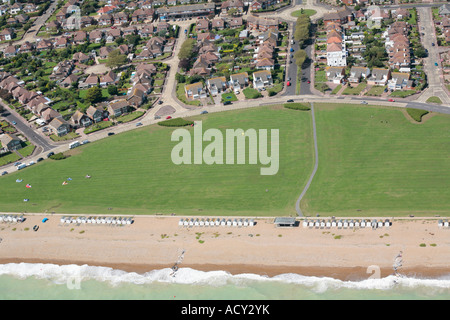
(187, 49)
(300, 57)
(94, 95)
(116, 59)
(112, 90)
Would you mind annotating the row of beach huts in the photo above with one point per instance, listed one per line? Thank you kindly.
(12, 218)
(214, 222)
(443, 223)
(345, 223)
(97, 220)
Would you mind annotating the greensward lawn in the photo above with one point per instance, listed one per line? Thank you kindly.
(132, 173)
(373, 161)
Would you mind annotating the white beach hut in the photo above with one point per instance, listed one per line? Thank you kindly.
(191, 222)
(251, 222)
(240, 223)
(340, 224)
(305, 223)
(217, 221)
(445, 223)
(345, 224)
(1, 218)
(374, 223)
(333, 223)
(196, 222)
(380, 224)
(322, 224)
(357, 223)
(440, 223)
(181, 222)
(311, 223)
(201, 222)
(229, 222)
(223, 222)
(235, 223)
(328, 224)
(363, 223)
(387, 223)
(351, 224)
(246, 223)
(317, 224)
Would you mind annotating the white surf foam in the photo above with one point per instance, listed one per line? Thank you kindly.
(70, 273)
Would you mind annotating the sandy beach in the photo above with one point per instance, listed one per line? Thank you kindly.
(156, 242)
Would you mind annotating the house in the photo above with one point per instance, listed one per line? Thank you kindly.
(358, 73)
(26, 47)
(236, 5)
(79, 119)
(15, 8)
(120, 18)
(89, 82)
(44, 44)
(399, 81)
(137, 96)
(235, 23)
(67, 82)
(239, 81)
(336, 55)
(10, 141)
(186, 11)
(106, 10)
(80, 57)
(79, 37)
(335, 74)
(342, 16)
(379, 77)
(7, 34)
(10, 51)
(262, 79)
(59, 127)
(118, 107)
(105, 20)
(202, 25)
(61, 43)
(216, 85)
(105, 51)
(195, 91)
(265, 64)
(96, 114)
(262, 24)
(48, 114)
(109, 78)
(218, 24)
(444, 10)
(112, 35)
(96, 36)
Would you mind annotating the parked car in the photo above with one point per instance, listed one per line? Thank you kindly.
(391, 100)
(14, 123)
(4, 173)
(110, 133)
(308, 81)
(31, 163)
(363, 102)
(204, 112)
(290, 100)
(432, 44)
(17, 163)
(138, 124)
(157, 117)
(436, 64)
(226, 102)
(50, 154)
(288, 83)
(160, 102)
(85, 141)
(39, 159)
(168, 117)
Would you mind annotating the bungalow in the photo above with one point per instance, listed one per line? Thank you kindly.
(137, 96)
(218, 24)
(79, 119)
(118, 107)
(195, 91)
(96, 36)
(379, 77)
(49, 114)
(89, 82)
(358, 73)
(26, 47)
(262, 79)
(239, 81)
(444, 10)
(67, 82)
(44, 44)
(10, 51)
(10, 141)
(335, 74)
(80, 57)
(80, 37)
(216, 85)
(265, 64)
(7, 34)
(235, 23)
(105, 51)
(202, 25)
(59, 126)
(109, 78)
(112, 35)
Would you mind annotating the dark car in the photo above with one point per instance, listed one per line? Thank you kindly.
(110, 133)
(290, 100)
(39, 159)
(4, 173)
(160, 102)
(204, 112)
(50, 154)
(226, 102)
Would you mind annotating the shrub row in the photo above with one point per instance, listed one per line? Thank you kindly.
(297, 106)
(416, 114)
(176, 122)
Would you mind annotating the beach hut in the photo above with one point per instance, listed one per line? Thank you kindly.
(340, 224)
(356, 223)
(191, 222)
(62, 220)
(234, 222)
(311, 224)
(209, 222)
(351, 224)
(1, 218)
(440, 223)
(328, 224)
(240, 223)
(181, 222)
(251, 222)
(380, 224)
(387, 223)
(217, 222)
(374, 224)
(345, 224)
(246, 223)
(333, 223)
(322, 224)
(14, 218)
(129, 220)
(196, 222)
(305, 223)
(103, 219)
(223, 222)
(229, 222)
(201, 222)
(445, 223)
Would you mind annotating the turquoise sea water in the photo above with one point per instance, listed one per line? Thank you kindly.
(72, 282)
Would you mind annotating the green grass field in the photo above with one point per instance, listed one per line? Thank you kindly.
(373, 161)
(132, 173)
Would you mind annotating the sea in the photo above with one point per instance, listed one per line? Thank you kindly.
(25, 281)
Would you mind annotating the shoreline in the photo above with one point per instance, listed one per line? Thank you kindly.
(156, 242)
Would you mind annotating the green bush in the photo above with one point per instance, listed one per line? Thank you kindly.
(177, 122)
(416, 114)
(58, 156)
(297, 106)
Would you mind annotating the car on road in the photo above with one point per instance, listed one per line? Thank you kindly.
(168, 117)
(138, 124)
(363, 102)
(436, 64)
(432, 44)
(85, 141)
(4, 173)
(288, 83)
(110, 133)
(391, 100)
(31, 163)
(39, 159)
(157, 117)
(50, 154)
(308, 81)
(14, 123)
(160, 102)
(289, 78)
(17, 164)
(226, 102)
(290, 100)
(290, 61)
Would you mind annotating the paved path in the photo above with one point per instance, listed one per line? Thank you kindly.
(316, 164)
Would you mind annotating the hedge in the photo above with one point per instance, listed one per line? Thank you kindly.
(58, 156)
(297, 106)
(416, 114)
(177, 122)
